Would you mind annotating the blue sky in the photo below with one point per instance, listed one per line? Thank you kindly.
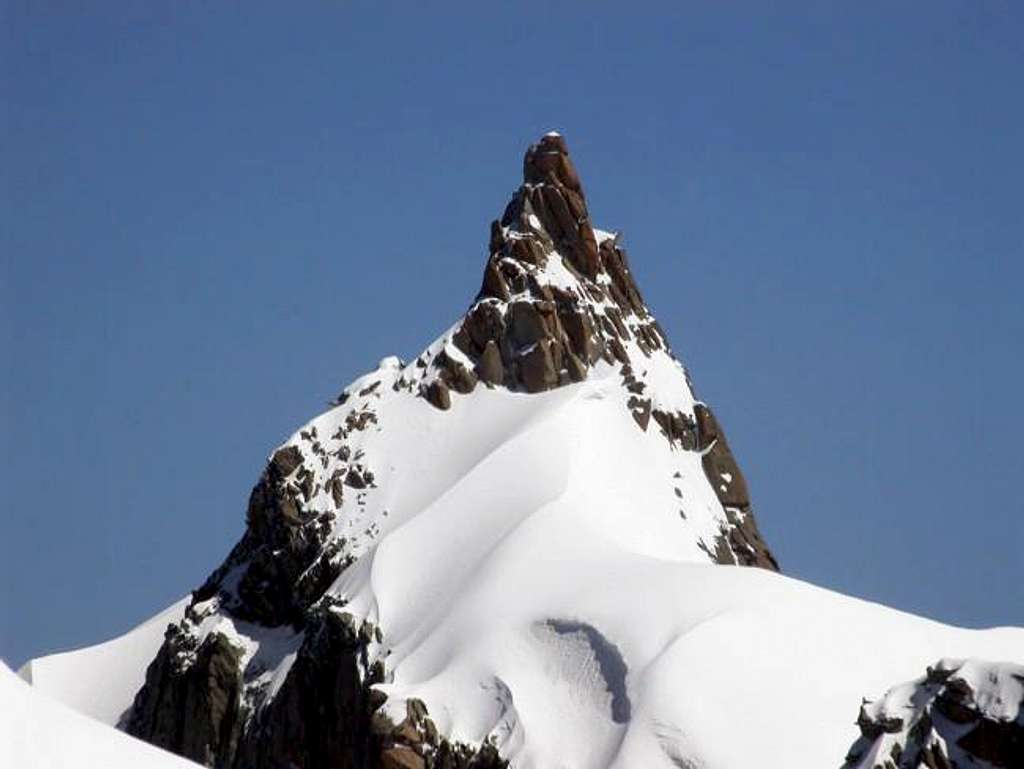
(215, 217)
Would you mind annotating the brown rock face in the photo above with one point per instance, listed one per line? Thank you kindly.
(321, 715)
(525, 331)
(719, 464)
(192, 711)
(740, 542)
(537, 368)
(490, 368)
(438, 395)
(526, 326)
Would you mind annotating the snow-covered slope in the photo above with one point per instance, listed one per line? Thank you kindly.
(511, 549)
(39, 733)
(600, 658)
(101, 680)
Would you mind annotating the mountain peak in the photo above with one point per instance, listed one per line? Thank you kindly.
(558, 305)
(498, 554)
(553, 401)
(557, 294)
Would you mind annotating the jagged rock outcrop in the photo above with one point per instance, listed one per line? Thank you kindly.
(191, 701)
(322, 714)
(529, 331)
(960, 714)
(268, 669)
(743, 543)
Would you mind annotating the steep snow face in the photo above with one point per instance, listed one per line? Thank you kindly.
(39, 733)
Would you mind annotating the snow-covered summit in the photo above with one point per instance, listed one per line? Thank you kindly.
(558, 305)
(558, 314)
(513, 549)
(556, 387)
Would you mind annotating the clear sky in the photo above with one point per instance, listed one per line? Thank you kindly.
(216, 215)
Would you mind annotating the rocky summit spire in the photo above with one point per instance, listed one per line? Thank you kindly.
(556, 195)
(557, 294)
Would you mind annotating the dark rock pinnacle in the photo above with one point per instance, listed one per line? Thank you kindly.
(527, 328)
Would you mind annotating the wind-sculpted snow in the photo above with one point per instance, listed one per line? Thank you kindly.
(722, 667)
(607, 658)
